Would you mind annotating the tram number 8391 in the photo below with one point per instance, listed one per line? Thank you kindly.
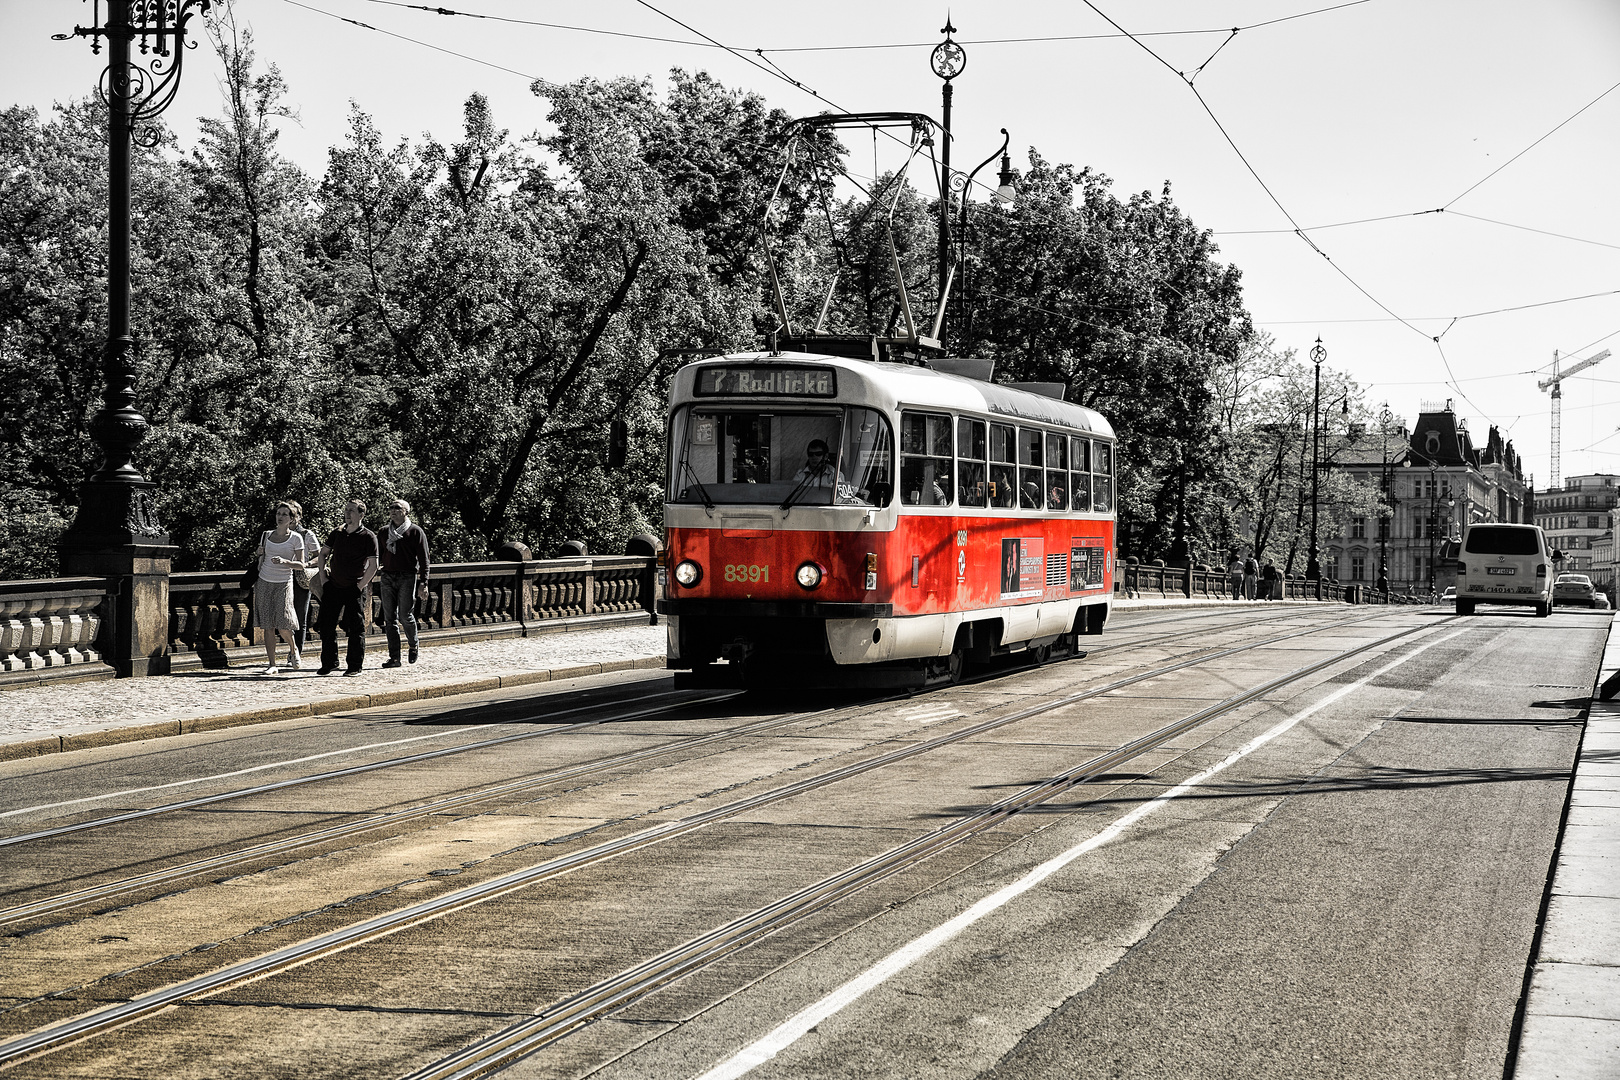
(743, 572)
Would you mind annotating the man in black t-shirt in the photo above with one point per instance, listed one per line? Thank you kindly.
(349, 558)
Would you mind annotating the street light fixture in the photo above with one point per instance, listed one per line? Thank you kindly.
(1004, 195)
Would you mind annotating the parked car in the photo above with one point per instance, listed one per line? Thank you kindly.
(1449, 595)
(1574, 589)
(1600, 602)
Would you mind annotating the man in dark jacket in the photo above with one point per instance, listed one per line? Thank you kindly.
(349, 560)
(404, 578)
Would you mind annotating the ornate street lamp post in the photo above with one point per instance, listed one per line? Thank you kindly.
(116, 532)
(1313, 564)
(1434, 486)
(948, 59)
(1386, 512)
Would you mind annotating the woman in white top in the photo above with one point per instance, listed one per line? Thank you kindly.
(280, 549)
(312, 544)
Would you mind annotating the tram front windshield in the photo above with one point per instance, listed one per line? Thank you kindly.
(823, 457)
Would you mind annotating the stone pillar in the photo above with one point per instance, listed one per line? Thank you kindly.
(115, 535)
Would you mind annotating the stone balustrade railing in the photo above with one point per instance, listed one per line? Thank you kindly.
(52, 623)
(58, 623)
(209, 613)
(1168, 582)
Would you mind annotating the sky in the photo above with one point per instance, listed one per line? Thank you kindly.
(1483, 136)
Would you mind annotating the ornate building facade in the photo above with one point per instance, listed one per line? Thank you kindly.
(1432, 480)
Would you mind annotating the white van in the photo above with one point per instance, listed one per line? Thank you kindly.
(1504, 564)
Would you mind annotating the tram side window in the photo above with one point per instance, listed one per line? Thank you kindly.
(1057, 471)
(925, 459)
(972, 485)
(868, 459)
(1003, 467)
(1102, 477)
(1031, 477)
(1080, 472)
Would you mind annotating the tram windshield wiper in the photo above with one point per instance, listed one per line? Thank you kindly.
(798, 489)
(708, 500)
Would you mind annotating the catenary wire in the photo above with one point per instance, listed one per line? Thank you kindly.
(776, 71)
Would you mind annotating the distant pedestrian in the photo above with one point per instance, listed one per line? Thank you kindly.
(1234, 575)
(1268, 581)
(1251, 577)
(404, 579)
(279, 550)
(349, 558)
(312, 547)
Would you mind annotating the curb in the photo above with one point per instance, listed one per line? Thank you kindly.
(61, 744)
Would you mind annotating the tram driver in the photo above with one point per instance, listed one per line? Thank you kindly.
(818, 468)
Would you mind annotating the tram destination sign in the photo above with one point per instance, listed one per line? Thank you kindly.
(766, 381)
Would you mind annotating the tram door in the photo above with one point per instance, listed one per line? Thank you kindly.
(973, 492)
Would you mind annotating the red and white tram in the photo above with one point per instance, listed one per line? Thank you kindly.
(945, 520)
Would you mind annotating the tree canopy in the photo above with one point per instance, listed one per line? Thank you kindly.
(458, 323)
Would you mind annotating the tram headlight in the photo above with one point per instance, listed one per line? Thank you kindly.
(688, 573)
(808, 575)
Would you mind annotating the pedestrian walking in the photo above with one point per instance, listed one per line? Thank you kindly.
(404, 579)
(1234, 575)
(1251, 577)
(312, 547)
(1268, 581)
(349, 560)
(278, 551)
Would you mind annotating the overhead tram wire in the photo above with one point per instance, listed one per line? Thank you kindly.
(777, 72)
(434, 9)
(414, 41)
(1412, 214)
(1535, 144)
(1451, 375)
(1298, 229)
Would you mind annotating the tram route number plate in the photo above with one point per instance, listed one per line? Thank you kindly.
(746, 572)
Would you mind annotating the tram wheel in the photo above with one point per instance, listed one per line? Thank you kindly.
(956, 665)
(1040, 654)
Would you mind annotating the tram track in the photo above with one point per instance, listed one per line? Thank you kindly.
(237, 858)
(563, 1018)
(95, 1022)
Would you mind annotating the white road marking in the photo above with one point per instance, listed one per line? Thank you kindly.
(796, 1026)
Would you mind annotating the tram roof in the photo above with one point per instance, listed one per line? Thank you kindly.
(899, 385)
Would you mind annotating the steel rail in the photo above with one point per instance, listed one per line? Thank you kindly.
(119, 1015)
(62, 901)
(356, 770)
(501, 1049)
(226, 860)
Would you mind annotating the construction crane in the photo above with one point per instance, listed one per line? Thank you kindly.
(1557, 384)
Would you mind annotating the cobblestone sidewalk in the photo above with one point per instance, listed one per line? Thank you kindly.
(75, 715)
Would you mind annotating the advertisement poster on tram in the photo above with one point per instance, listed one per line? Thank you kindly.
(1023, 567)
(1085, 564)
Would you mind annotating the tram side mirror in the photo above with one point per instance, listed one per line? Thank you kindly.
(618, 444)
(881, 493)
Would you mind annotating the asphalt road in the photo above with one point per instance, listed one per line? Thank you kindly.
(1339, 878)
